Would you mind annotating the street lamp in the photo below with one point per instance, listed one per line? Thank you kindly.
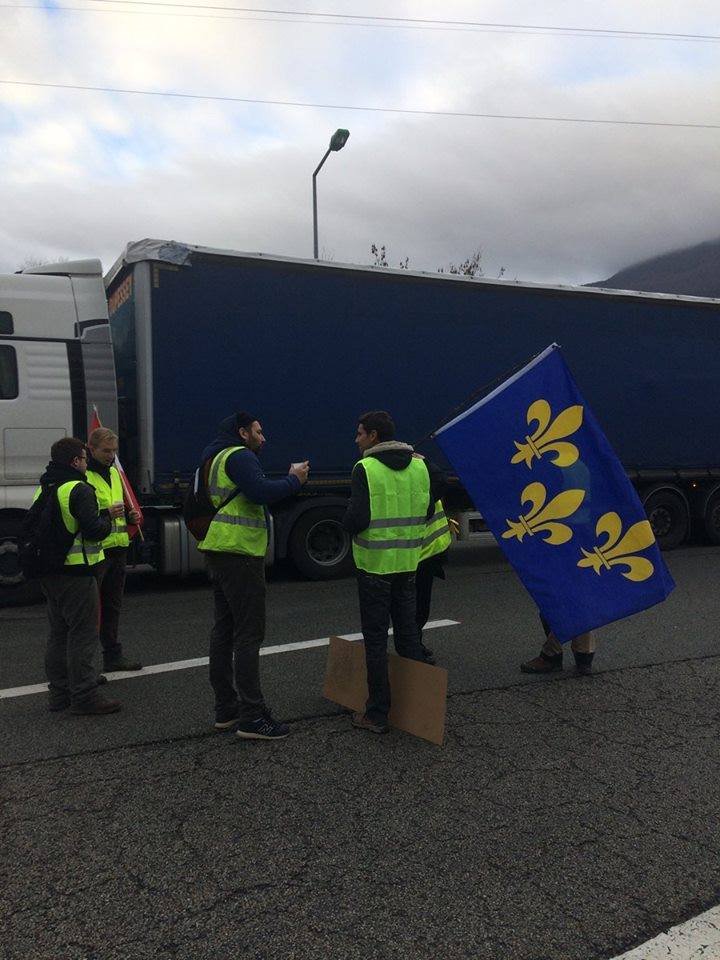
(337, 142)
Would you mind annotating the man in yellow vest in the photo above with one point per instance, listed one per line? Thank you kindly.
(392, 498)
(235, 547)
(69, 583)
(105, 478)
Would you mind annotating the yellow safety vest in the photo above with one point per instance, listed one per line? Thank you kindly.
(82, 552)
(437, 533)
(108, 493)
(398, 508)
(240, 526)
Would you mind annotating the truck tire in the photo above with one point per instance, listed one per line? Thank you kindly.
(669, 517)
(319, 547)
(15, 590)
(711, 518)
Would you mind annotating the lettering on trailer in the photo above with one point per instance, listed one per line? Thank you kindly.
(120, 295)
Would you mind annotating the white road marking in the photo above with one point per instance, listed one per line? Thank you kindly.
(12, 692)
(699, 937)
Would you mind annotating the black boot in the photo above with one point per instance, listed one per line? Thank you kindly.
(583, 663)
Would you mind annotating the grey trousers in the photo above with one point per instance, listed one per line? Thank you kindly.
(110, 575)
(72, 607)
(237, 634)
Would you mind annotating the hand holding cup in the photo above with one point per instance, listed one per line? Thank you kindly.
(300, 470)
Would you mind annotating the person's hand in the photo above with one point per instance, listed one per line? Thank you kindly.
(116, 510)
(300, 470)
(418, 456)
(133, 516)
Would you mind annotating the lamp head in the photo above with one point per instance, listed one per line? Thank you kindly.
(339, 139)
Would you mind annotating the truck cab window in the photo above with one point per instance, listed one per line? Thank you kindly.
(8, 373)
(6, 322)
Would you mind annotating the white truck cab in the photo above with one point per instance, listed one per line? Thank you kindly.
(56, 361)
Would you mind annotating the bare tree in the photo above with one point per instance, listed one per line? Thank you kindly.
(380, 256)
(470, 267)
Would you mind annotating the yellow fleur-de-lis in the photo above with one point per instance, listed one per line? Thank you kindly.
(541, 517)
(616, 552)
(548, 437)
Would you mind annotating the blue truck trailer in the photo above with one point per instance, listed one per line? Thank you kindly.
(179, 336)
(308, 346)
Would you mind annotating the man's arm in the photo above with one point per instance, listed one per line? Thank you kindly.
(93, 525)
(357, 512)
(244, 469)
(439, 485)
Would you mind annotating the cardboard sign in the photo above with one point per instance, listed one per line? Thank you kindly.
(418, 691)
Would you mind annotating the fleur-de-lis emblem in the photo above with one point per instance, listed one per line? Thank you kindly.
(616, 552)
(548, 437)
(541, 517)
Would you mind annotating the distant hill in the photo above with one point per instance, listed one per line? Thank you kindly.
(693, 271)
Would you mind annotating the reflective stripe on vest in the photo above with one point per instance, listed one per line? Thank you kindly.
(393, 540)
(437, 533)
(106, 494)
(82, 551)
(240, 526)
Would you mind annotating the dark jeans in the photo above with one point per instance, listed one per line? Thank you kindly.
(426, 572)
(111, 581)
(237, 635)
(72, 607)
(384, 598)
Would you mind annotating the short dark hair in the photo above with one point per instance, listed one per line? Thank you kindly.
(380, 421)
(244, 420)
(64, 451)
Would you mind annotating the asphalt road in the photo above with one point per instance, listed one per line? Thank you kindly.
(563, 818)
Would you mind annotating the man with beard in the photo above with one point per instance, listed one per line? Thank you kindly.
(235, 547)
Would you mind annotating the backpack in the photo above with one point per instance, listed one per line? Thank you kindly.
(44, 540)
(198, 509)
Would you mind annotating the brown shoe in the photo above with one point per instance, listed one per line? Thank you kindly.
(543, 664)
(96, 708)
(360, 721)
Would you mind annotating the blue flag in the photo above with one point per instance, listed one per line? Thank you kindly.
(540, 470)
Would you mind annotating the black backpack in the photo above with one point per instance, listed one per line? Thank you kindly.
(198, 510)
(44, 539)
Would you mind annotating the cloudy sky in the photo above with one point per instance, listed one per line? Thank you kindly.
(85, 172)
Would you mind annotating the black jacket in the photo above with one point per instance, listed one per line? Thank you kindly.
(94, 524)
(397, 456)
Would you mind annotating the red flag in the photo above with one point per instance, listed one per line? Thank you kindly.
(131, 501)
(95, 421)
(129, 497)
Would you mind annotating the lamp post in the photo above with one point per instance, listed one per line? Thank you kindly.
(337, 142)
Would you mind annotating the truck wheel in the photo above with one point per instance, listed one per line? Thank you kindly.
(669, 518)
(712, 518)
(15, 590)
(319, 547)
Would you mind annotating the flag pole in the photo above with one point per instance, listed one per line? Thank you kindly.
(475, 396)
(127, 498)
